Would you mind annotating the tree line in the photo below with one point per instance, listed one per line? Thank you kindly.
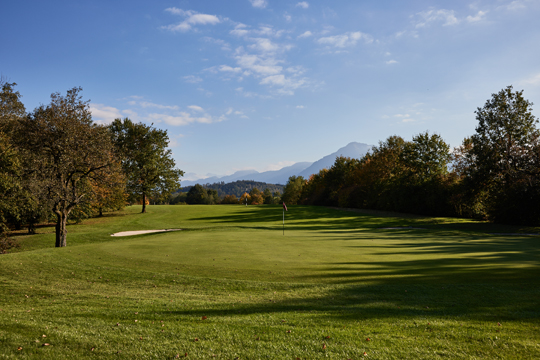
(494, 175)
(56, 164)
(218, 193)
(214, 194)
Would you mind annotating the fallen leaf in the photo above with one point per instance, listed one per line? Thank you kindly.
(324, 346)
(365, 353)
(204, 318)
(499, 323)
(44, 336)
(368, 339)
(196, 339)
(328, 336)
(46, 344)
(92, 349)
(19, 348)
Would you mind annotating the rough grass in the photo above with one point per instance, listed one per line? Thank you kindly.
(231, 285)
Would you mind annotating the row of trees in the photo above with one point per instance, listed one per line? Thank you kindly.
(494, 174)
(200, 195)
(57, 164)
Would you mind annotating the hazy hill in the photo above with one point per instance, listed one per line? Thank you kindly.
(305, 169)
(353, 150)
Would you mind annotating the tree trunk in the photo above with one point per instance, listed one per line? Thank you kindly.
(61, 231)
(143, 203)
(100, 211)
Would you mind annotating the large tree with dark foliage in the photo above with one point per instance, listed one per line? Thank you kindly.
(504, 158)
(147, 163)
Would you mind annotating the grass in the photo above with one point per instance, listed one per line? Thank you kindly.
(231, 285)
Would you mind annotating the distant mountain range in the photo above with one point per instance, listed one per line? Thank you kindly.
(305, 169)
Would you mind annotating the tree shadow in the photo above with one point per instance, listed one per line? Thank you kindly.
(452, 268)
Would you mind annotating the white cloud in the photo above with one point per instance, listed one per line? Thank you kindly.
(243, 30)
(390, 62)
(103, 114)
(284, 85)
(192, 18)
(447, 17)
(287, 17)
(345, 40)
(259, 3)
(196, 108)
(226, 68)
(305, 35)
(240, 30)
(303, 4)
(299, 106)
(192, 79)
(224, 45)
(258, 64)
(146, 104)
(478, 17)
(516, 5)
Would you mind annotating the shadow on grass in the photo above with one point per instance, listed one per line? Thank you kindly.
(452, 268)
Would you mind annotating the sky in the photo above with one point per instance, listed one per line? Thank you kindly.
(262, 84)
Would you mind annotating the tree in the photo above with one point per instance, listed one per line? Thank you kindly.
(229, 199)
(504, 158)
(147, 163)
(212, 197)
(197, 195)
(11, 107)
(267, 196)
(426, 157)
(256, 197)
(66, 152)
(293, 190)
(245, 198)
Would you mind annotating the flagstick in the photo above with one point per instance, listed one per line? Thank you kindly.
(283, 222)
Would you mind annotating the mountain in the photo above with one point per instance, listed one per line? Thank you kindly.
(280, 176)
(305, 169)
(353, 150)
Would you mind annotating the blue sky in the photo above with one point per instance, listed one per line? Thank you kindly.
(261, 84)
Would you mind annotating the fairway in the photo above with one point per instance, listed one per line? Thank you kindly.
(336, 285)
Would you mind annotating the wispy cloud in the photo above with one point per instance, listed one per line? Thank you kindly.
(345, 40)
(192, 79)
(196, 108)
(192, 18)
(104, 114)
(478, 17)
(446, 17)
(259, 3)
(303, 4)
(390, 62)
(306, 34)
(533, 80)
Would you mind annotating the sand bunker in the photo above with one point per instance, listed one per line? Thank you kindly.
(139, 232)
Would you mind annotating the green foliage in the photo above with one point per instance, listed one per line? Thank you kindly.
(197, 195)
(237, 188)
(293, 190)
(504, 158)
(64, 152)
(147, 163)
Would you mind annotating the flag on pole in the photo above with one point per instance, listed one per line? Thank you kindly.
(284, 209)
